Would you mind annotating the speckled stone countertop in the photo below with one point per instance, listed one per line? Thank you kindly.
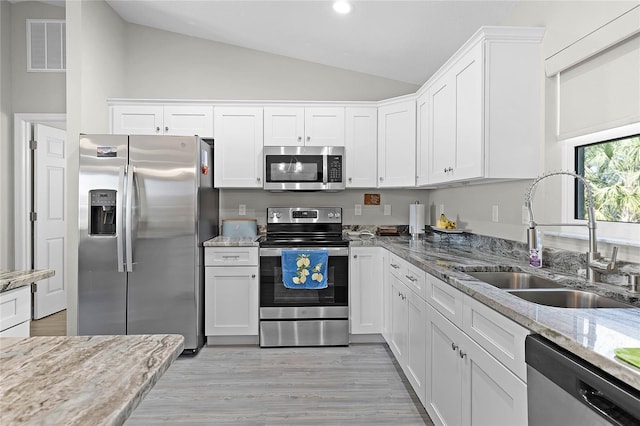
(80, 380)
(221, 241)
(591, 334)
(14, 279)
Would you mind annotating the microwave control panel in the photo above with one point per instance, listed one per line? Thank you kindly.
(334, 168)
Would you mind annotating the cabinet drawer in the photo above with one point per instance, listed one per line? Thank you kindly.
(497, 334)
(396, 265)
(15, 307)
(21, 330)
(445, 299)
(416, 279)
(230, 256)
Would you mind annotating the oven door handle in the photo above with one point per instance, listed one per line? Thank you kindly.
(277, 251)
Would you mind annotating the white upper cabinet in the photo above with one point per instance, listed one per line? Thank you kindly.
(179, 120)
(482, 117)
(298, 126)
(238, 147)
(422, 152)
(361, 142)
(397, 144)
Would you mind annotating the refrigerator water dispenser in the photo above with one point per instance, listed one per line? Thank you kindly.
(103, 212)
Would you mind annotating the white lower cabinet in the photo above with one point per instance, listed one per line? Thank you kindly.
(231, 292)
(365, 287)
(467, 385)
(15, 312)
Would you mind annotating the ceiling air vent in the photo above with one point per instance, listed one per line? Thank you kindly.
(46, 40)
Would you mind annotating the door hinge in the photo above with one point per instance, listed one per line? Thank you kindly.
(33, 145)
(34, 287)
(33, 216)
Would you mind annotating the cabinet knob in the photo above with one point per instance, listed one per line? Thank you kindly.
(299, 138)
(381, 178)
(355, 256)
(454, 347)
(462, 354)
(258, 180)
(157, 129)
(350, 180)
(253, 275)
(166, 129)
(308, 138)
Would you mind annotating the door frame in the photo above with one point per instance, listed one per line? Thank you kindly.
(22, 175)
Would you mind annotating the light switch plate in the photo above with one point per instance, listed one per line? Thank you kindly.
(387, 209)
(358, 210)
(242, 209)
(495, 213)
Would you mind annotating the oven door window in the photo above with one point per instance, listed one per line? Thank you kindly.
(294, 168)
(273, 293)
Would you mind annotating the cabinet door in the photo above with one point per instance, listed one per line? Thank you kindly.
(283, 126)
(137, 120)
(493, 395)
(444, 370)
(397, 145)
(182, 120)
(416, 344)
(366, 290)
(441, 130)
(399, 320)
(422, 140)
(238, 147)
(361, 144)
(468, 74)
(231, 301)
(324, 126)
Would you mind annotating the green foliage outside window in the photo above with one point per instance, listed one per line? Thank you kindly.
(613, 169)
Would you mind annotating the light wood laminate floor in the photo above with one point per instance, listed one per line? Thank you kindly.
(53, 325)
(242, 385)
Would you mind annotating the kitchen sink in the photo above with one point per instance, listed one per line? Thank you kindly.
(514, 280)
(568, 299)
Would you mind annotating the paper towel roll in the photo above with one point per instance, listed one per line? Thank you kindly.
(416, 219)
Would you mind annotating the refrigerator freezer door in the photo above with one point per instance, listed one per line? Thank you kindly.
(101, 288)
(162, 289)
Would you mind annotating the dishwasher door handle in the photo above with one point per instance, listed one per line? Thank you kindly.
(603, 405)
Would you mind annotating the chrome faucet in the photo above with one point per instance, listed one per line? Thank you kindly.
(596, 264)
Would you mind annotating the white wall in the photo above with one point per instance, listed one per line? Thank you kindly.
(6, 153)
(21, 92)
(96, 71)
(161, 64)
(565, 23)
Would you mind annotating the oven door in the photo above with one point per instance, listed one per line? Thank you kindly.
(277, 301)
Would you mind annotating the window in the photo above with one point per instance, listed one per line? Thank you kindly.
(613, 170)
(610, 161)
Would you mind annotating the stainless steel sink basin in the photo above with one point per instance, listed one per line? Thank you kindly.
(514, 280)
(568, 299)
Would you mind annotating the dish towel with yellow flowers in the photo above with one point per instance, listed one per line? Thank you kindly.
(305, 269)
(630, 355)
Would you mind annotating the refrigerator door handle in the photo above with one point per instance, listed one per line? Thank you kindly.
(129, 220)
(120, 218)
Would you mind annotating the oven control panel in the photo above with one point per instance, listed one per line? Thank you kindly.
(304, 215)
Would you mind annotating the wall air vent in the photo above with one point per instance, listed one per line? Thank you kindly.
(46, 45)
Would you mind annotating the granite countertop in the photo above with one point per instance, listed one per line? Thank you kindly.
(221, 241)
(80, 380)
(591, 334)
(14, 279)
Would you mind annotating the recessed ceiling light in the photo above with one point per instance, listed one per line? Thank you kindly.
(342, 7)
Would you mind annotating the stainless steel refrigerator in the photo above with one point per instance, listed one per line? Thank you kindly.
(146, 205)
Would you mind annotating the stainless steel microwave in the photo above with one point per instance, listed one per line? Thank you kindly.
(304, 168)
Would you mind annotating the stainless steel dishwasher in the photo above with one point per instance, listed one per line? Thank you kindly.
(565, 390)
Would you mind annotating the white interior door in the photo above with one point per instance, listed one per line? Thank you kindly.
(49, 227)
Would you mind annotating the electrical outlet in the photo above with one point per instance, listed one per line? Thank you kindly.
(387, 209)
(242, 209)
(525, 215)
(494, 213)
(358, 210)
(441, 208)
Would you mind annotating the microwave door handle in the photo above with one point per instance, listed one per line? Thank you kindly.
(119, 218)
(129, 220)
(325, 170)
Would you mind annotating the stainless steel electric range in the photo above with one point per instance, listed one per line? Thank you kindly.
(304, 317)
